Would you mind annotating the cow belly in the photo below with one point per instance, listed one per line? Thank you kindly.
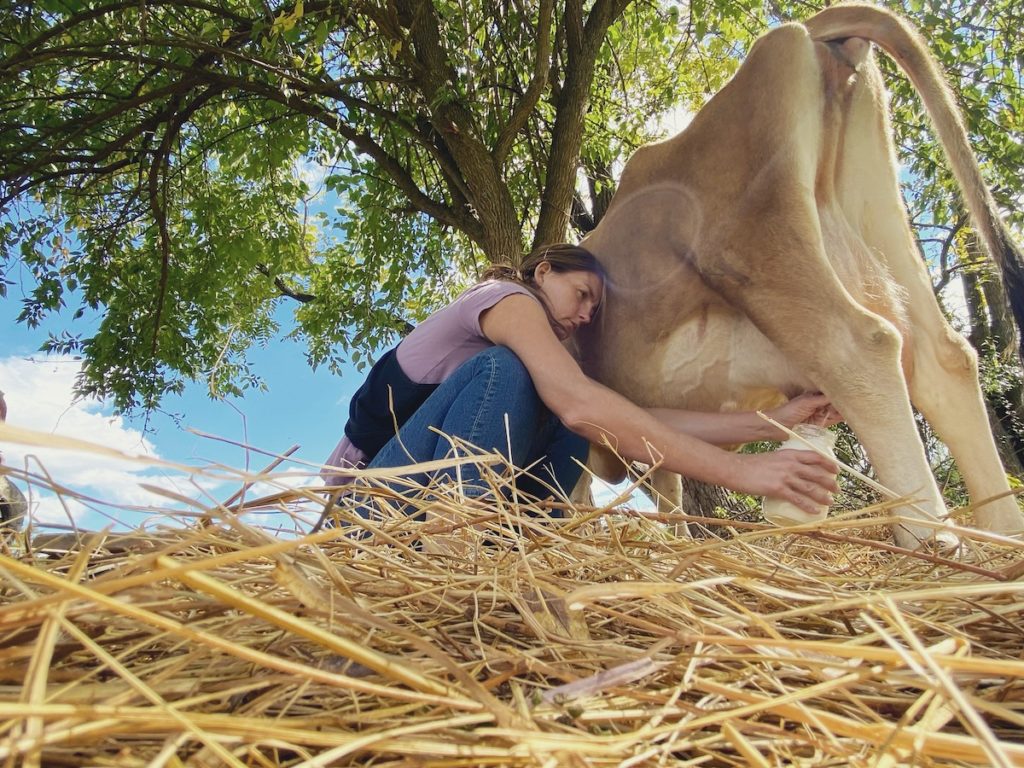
(721, 362)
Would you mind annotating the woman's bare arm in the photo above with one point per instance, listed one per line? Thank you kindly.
(596, 412)
(746, 426)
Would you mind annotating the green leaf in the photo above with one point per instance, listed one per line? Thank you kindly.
(310, 161)
(320, 34)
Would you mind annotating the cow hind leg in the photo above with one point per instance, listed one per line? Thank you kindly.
(944, 387)
(854, 357)
(851, 354)
(665, 489)
(941, 366)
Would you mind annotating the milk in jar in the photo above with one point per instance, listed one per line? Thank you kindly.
(782, 512)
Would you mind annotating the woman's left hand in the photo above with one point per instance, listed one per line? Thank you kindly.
(812, 407)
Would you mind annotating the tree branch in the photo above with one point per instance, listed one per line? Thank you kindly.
(945, 273)
(282, 286)
(158, 197)
(541, 64)
(489, 197)
(581, 220)
(393, 167)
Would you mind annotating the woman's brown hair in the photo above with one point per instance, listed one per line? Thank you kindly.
(563, 257)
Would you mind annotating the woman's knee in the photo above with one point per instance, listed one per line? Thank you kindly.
(505, 364)
(505, 359)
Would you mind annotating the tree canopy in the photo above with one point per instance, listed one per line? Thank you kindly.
(185, 167)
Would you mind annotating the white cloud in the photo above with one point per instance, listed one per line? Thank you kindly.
(313, 174)
(106, 491)
(103, 489)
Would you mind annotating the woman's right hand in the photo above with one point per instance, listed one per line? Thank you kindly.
(803, 478)
(812, 407)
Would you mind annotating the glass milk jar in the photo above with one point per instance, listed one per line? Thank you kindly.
(782, 512)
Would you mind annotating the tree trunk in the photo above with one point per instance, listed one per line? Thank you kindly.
(706, 501)
(703, 499)
(583, 43)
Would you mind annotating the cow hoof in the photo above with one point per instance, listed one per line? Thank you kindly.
(939, 541)
(945, 543)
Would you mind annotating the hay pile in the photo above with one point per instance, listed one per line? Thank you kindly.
(600, 639)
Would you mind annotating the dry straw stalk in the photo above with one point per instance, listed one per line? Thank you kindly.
(495, 633)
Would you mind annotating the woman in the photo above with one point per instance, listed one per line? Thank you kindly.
(491, 369)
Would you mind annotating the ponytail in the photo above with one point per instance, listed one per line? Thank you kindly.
(503, 272)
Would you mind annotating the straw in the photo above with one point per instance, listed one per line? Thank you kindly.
(495, 633)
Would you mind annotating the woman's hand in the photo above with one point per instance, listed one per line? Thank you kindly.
(803, 478)
(812, 407)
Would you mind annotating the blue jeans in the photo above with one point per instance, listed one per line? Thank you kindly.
(472, 405)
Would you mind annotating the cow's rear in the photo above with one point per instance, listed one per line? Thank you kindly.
(765, 251)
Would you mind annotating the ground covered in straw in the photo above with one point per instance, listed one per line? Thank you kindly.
(599, 639)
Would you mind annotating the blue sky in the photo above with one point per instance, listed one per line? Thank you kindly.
(301, 406)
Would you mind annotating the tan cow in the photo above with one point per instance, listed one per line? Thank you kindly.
(765, 251)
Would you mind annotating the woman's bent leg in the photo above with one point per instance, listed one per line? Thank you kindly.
(556, 461)
(489, 402)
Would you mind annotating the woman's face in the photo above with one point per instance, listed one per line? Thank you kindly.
(572, 297)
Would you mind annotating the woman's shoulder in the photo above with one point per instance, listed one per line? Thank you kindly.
(442, 342)
(481, 297)
(464, 311)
